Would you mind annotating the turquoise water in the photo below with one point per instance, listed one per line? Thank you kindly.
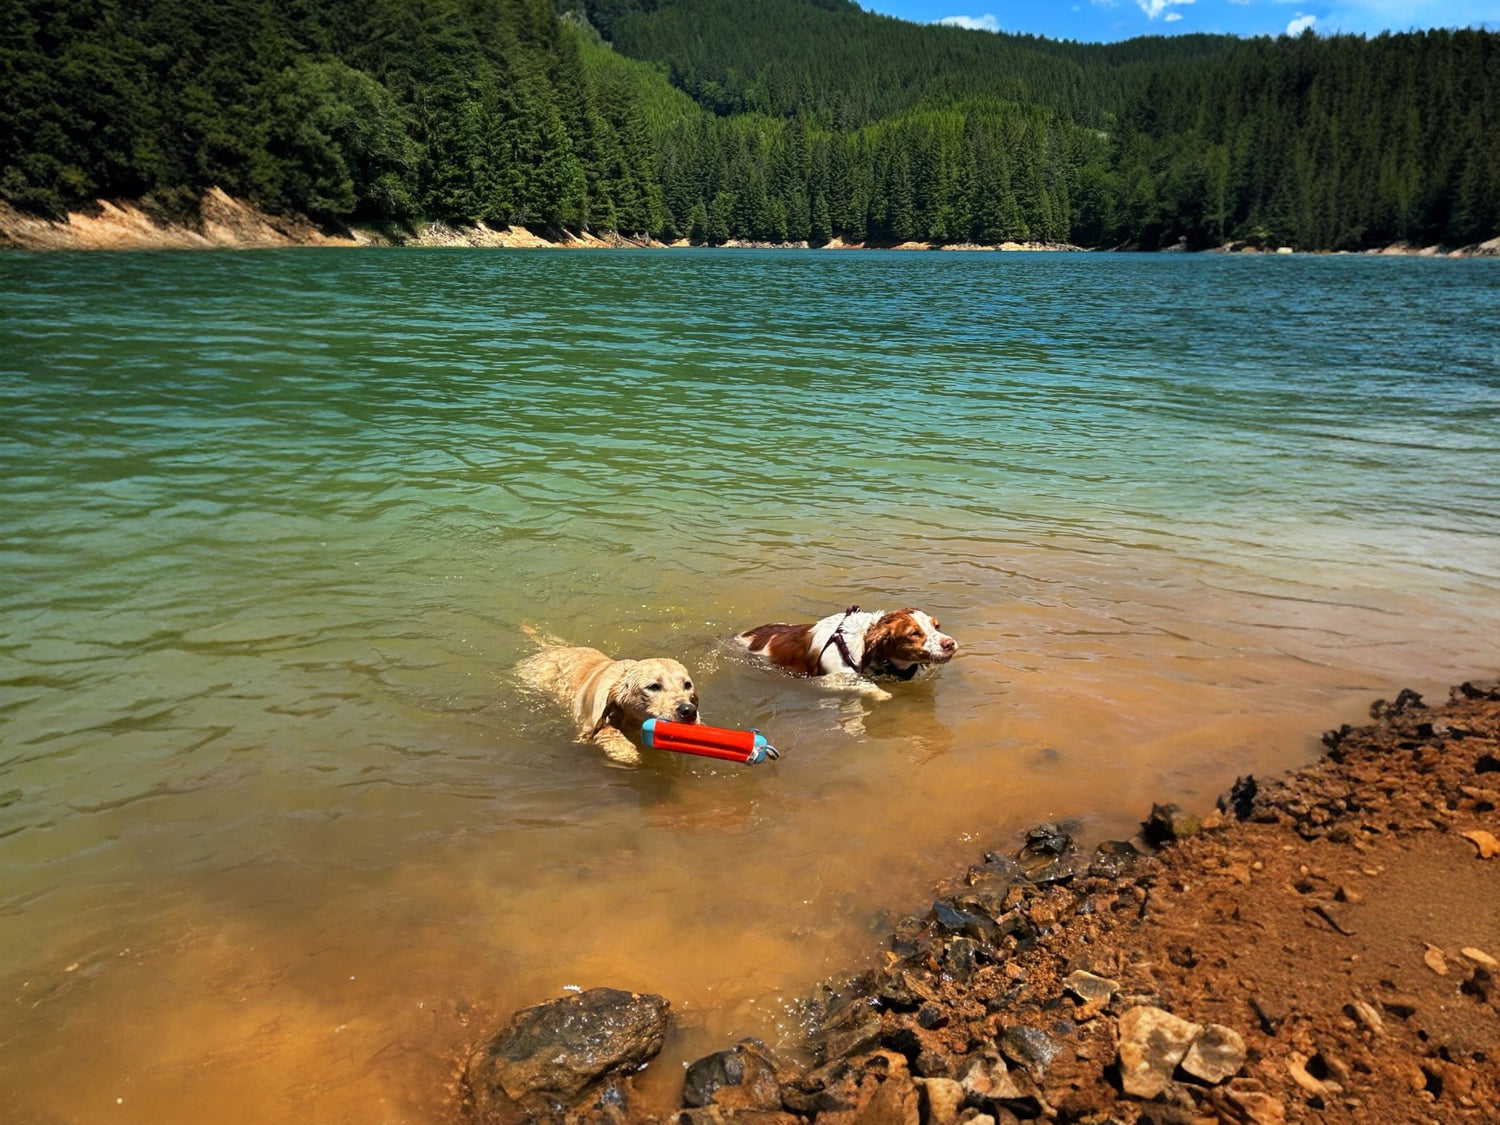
(273, 524)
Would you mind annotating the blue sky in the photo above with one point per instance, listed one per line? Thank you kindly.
(1101, 21)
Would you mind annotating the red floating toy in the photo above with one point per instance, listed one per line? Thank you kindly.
(748, 746)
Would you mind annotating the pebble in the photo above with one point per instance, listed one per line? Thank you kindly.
(1480, 957)
(1216, 1054)
(1297, 1068)
(986, 1078)
(1258, 1107)
(1367, 1015)
(1488, 846)
(1029, 1047)
(1152, 1042)
(1435, 960)
(942, 1098)
(1094, 991)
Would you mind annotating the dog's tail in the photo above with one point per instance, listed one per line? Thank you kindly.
(540, 639)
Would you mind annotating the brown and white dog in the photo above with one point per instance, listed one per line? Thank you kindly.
(611, 699)
(862, 645)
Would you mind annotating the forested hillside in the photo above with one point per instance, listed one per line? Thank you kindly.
(772, 120)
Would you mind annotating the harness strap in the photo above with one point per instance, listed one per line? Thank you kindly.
(837, 640)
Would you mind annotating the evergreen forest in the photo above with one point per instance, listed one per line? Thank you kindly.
(764, 120)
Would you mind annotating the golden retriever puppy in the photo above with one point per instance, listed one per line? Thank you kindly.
(610, 699)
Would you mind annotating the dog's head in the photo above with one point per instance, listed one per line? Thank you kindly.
(906, 637)
(658, 688)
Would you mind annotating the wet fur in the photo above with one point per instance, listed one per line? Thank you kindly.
(890, 645)
(610, 699)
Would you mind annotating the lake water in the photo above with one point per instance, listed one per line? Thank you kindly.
(279, 834)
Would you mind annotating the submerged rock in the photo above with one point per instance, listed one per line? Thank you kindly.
(1047, 839)
(1167, 824)
(550, 1054)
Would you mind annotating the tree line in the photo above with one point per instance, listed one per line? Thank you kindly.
(768, 120)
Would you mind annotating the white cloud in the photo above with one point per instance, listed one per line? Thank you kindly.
(986, 22)
(1172, 17)
(1154, 8)
(1300, 24)
(1371, 17)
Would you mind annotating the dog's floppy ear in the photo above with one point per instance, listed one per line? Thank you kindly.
(884, 634)
(610, 717)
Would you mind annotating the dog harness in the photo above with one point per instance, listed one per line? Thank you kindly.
(838, 642)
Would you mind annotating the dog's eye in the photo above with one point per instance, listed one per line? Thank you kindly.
(687, 685)
(653, 687)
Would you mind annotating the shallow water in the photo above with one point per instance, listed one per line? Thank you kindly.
(279, 834)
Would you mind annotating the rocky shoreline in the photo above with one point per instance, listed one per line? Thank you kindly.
(1319, 947)
(223, 222)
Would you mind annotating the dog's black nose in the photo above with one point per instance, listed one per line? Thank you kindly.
(687, 713)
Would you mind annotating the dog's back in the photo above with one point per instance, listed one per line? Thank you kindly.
(572, 675)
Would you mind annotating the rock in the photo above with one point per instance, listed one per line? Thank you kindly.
(1047, 839)
(1216, 1054)
(1480, 957)
(1113, 858)
(1256, 1106)
(906, 991)
(1151, 1044)
(956, 920)
(878, 1090)
(1046, 870)
(942, 1099)
(747, 1076)
(1029, 1047)
(1044, 857)
(930, 1016)
(1488, 846)
(844, 1090)
(1433, 956)
(1481, 985)
(985, 1077)
(1167, 824)
(1366, 1013)
(853, 1039)
(894, 1102)
(1405, 700)
(960, 958)
(1270, 1012)
(997, 870)
(1094, 992)
(550, 1053)
(1240, 799)
(1296, 1067)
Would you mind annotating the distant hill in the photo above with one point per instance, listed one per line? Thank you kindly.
(831, 59)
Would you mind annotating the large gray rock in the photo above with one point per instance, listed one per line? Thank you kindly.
(1152, 1042)
(545, 1060)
